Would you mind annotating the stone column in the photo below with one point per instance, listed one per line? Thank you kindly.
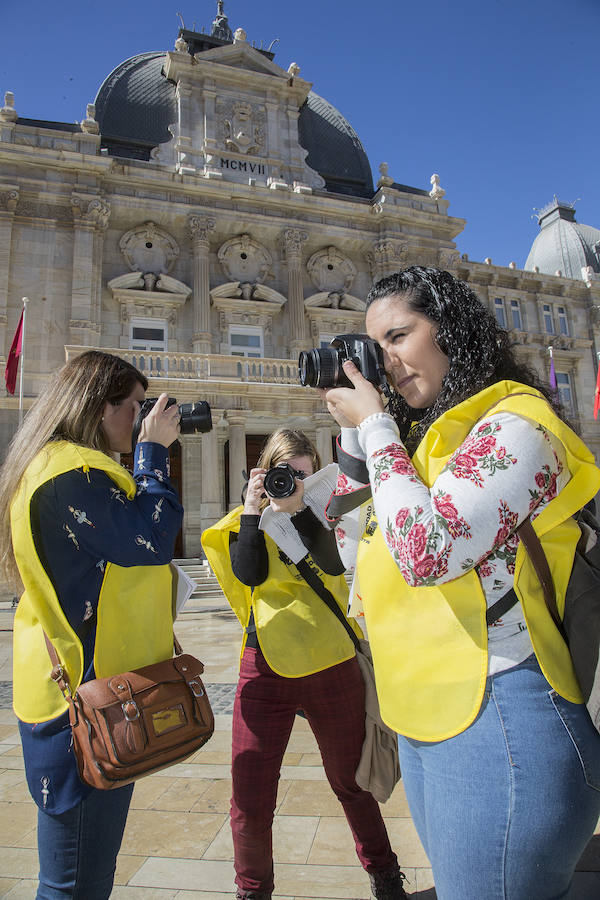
(9, 197)
(90, 219)
(237, 456)
(211, 508)
(200, 227)
(192, 483)
(292, 240)
(325, 426)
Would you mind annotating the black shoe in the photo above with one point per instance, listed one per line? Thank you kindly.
(387, 884)
(252, 895)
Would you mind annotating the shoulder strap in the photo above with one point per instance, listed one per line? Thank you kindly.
(313, 581)
(535, 551)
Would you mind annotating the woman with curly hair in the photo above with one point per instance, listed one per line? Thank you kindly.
(500, 760)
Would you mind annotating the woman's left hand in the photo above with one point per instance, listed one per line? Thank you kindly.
(350, 406)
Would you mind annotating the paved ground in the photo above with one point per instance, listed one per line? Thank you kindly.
(177, 844)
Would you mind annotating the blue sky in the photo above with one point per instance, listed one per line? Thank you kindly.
(500, 97)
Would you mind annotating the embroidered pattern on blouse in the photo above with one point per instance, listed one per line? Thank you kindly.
(157, 510)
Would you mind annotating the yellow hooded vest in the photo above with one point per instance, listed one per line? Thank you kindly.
(298, 634)
(134, 620)
(429, 643)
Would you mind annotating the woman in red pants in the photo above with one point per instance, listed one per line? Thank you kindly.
(296, 656)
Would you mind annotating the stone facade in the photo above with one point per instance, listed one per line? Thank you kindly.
(226, 242)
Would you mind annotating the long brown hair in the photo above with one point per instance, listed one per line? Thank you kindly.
(69, 409)
(284, 444)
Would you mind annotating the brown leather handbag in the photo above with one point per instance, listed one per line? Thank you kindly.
(138, 722)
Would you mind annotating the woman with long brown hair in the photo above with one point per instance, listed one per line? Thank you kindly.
(89, 544)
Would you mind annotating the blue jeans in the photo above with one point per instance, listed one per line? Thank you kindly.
(505, 809)
(78, 848)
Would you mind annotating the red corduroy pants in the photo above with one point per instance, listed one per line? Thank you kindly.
(263, 715)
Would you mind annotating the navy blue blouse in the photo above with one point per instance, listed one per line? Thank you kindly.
(80, 521)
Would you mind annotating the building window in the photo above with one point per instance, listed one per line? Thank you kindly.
(246, 340)
(148, 334)
(500, 312)
(548, 320)
(563, 384)
(563, 323)
(515, 312)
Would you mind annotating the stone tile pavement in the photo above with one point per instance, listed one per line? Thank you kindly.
(177, 843)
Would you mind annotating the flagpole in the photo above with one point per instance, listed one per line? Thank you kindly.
(25, 302)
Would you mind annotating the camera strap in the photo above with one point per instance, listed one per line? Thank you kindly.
(313, 581)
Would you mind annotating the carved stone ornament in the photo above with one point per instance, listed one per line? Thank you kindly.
(90, 211)
(334, 300)
(8, 112)
(89, 124)
(330, 270)
(149, 249)
(242, 127)
(448, 259)
(200, 227)
(235, 290)
(9, 199)
(245, 260)
(436, 192)
(292, 240)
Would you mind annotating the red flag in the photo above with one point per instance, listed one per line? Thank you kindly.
(12, 363)
(597, 394)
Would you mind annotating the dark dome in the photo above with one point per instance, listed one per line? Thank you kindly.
(563, 244)
(334, 148)
(136, 104)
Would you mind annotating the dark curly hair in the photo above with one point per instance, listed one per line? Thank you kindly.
(479, 351)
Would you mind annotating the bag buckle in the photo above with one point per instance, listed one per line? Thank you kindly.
(130, 710)
(196, 688)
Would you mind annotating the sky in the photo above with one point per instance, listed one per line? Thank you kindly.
(499, 97)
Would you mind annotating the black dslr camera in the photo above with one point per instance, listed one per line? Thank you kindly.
(195, 417)
(280, 481)
(322, 368)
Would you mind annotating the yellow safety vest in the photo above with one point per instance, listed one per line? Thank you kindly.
(429, 644)
(298, 634)
(134, 619)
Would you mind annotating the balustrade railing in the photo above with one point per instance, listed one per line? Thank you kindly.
(158, 364)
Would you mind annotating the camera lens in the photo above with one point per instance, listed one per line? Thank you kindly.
(279, 482)
(195, 417)
(320, 368)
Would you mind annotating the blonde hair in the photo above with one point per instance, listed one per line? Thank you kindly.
(69, 409)
(285, 444)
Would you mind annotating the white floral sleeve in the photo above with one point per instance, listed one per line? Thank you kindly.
(507, 467)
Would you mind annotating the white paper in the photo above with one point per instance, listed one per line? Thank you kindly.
(185, 588)
(317, 491)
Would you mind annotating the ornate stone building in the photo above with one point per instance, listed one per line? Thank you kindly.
(210, 217)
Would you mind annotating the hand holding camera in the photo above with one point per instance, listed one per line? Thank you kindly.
(351, 361)
(191, 418)
(161, 424)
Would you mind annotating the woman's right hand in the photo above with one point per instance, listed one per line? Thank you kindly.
(255, 492)
(161, 425)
